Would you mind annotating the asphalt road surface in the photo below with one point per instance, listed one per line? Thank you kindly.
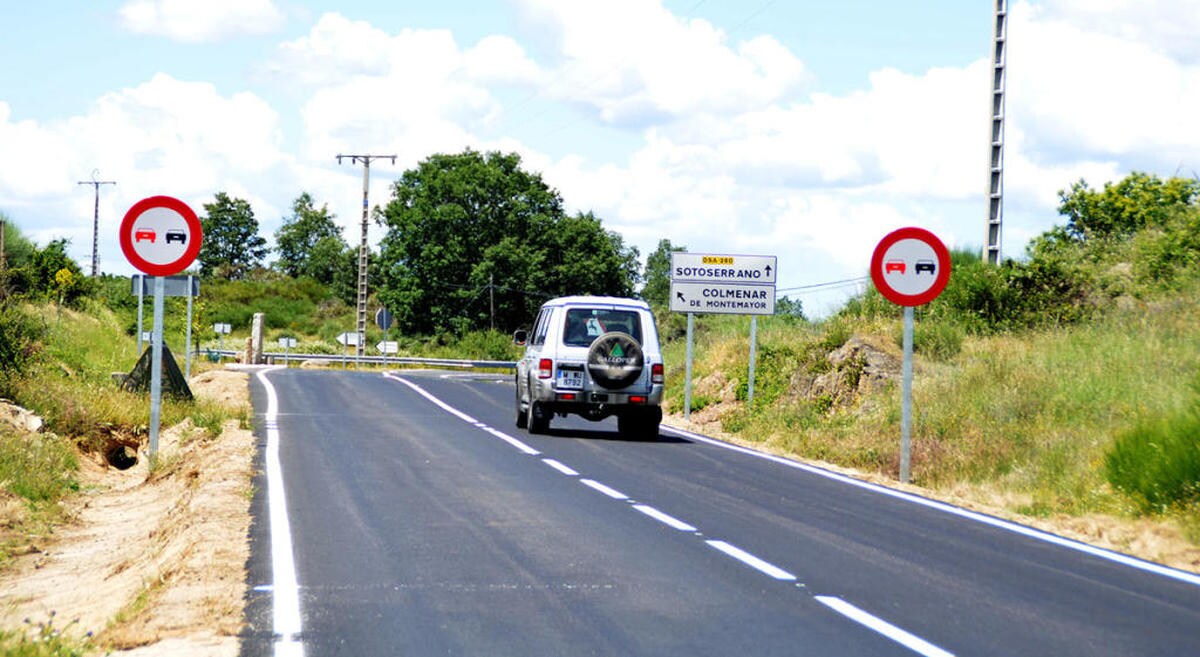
(407, 515)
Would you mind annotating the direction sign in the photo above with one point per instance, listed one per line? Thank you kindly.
(348, 339)
(287, 343)
(708, 267)
(388, 347)
(726, 298)
(910, 266)
(160, 235)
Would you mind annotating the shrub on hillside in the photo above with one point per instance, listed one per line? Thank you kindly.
(20, 341)
(1157, 463)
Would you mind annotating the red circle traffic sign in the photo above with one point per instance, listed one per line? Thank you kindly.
(910, 266)
(160, 235)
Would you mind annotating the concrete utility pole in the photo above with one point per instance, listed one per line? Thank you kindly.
(96, 219)
(995, 216)
(362, 249)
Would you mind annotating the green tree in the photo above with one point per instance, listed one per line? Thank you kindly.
(1138, 201)
(53, 274)
(470, 232)
(306, 241)
(232, 246)
(657, 288)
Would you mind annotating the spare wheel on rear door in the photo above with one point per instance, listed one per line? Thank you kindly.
(615, 360)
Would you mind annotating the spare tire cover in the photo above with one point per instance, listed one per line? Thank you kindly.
(615, 360)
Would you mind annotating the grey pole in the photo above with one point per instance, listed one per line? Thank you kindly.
(906, 398)
(156, 368)
(141, 286)
(363, 251)
(687, 384)
(96, 218)
(187, 368)
(753, 345)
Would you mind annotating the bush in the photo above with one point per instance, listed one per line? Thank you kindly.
(20, 336)
(1158, 462)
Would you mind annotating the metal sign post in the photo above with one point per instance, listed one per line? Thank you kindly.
(910, 267)
(287, 344)
(724, 284)
(160, 236)
(687, 384)
(156, 367)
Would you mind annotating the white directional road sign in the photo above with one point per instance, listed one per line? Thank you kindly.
(388, 347)
(728, 284)
(725, 298)
(287, 343)
(348, 339)
(708, 267)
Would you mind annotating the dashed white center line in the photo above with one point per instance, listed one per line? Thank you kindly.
(838, 605)
(910, 641)
(615, 494)
(754, 562)
(670, 521)
(560, 467)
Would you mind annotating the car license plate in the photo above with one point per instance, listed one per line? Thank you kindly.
(570, 379)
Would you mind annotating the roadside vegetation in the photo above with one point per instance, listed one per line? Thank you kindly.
(1063, 382)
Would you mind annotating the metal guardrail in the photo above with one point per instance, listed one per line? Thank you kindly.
(278, 357)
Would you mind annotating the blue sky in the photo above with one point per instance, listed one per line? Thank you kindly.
(801, 129)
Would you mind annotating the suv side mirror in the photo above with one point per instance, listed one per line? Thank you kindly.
(520, 336)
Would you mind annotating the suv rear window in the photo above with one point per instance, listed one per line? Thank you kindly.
(586, 324)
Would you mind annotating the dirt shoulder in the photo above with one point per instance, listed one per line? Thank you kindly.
(151, 563)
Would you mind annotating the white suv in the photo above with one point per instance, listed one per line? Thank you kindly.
(593, 357)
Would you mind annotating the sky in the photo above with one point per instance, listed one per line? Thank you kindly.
(803, 129)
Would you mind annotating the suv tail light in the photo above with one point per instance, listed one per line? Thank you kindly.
(656, 373)
(545, 368)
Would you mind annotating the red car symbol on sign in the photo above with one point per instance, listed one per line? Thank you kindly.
(143, 234)
(894, 266)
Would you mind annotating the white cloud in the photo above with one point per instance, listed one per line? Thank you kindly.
(635, 62)
(191, 21)
(164, 136)
(412, 93)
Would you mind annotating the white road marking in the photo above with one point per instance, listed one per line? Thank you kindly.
(906, 639)
(441, 404)
(670, 521)
(1029, 532)
(754, 562)
(286, 590)
(595, 485)
(560, 467)
(512, 441)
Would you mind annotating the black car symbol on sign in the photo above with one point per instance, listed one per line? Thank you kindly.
(179, 236)
(922, 265)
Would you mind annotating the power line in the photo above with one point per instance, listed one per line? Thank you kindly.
(363, 249)
(96, 218)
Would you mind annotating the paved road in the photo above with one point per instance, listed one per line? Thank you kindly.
(419, 521)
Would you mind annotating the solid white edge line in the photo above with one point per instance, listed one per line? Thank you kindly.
(670, 521)
(595, 485)
(754, 562)
(1029, 532)
(560, 467)
(906, 639)
(285, 589)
